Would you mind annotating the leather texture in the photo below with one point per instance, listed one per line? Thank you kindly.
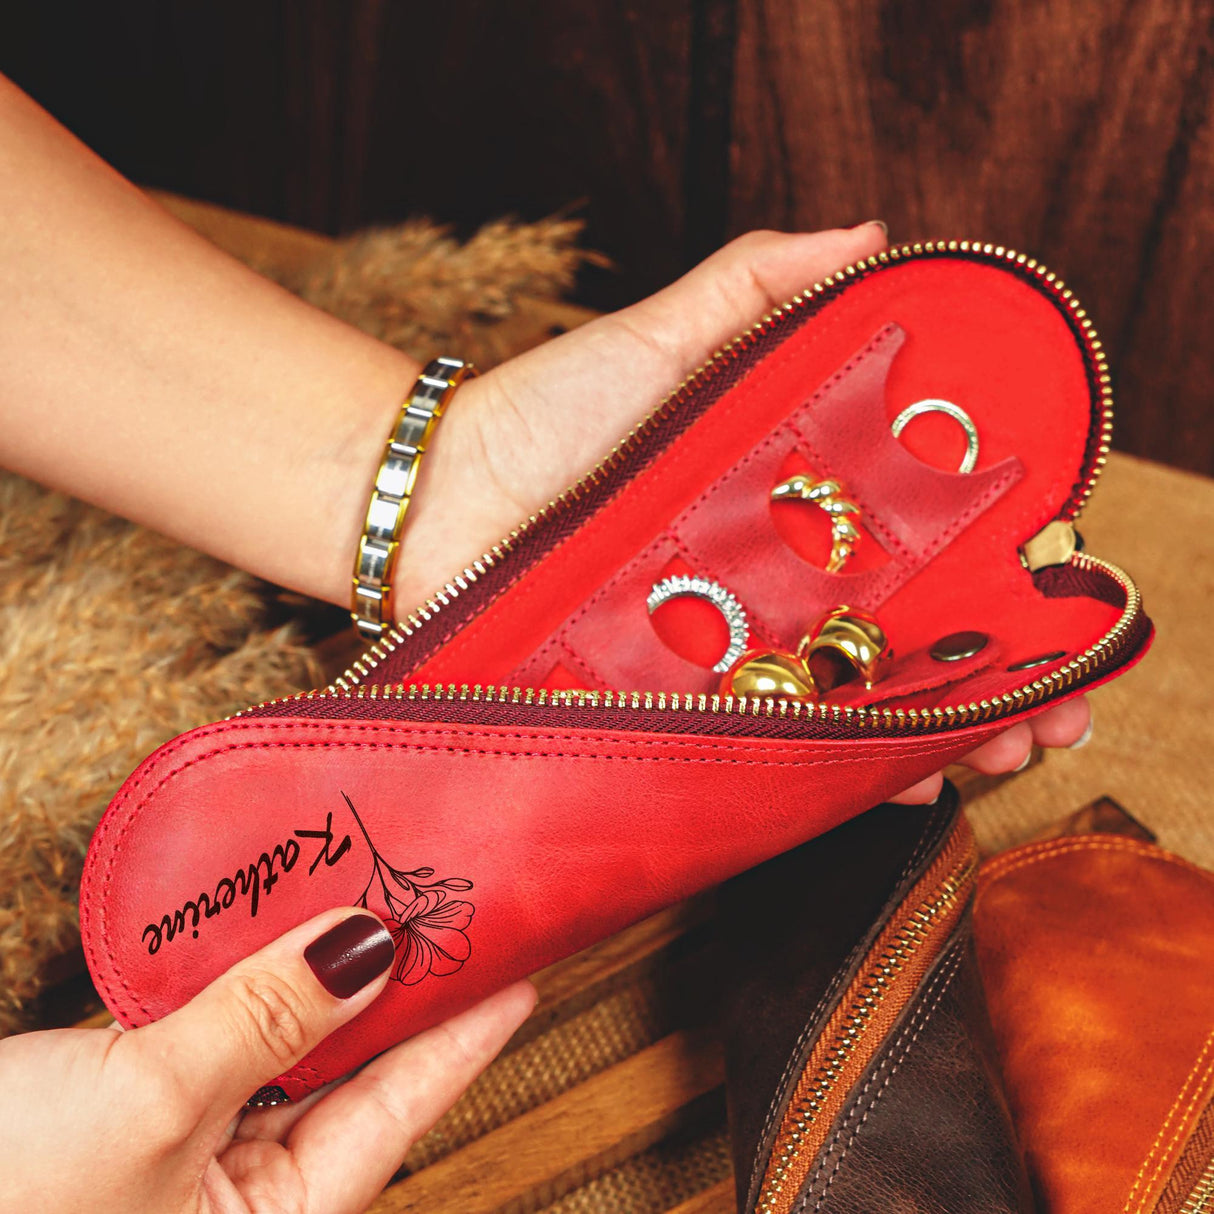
(986, 336)
(1097, 953)
(930, 1131)
(547, 841)
(728, 535)
(495, 835)
(925, 1126)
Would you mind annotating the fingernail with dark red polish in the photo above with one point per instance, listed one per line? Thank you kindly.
(349, 956)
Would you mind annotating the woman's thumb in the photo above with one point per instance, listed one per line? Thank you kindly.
(260, 1018)
(728, 292)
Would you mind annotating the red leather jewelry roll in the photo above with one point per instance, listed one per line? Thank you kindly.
(859, 515)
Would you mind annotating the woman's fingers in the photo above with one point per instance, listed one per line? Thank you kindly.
(1068, 725)
(347, 1146)
(670, 333)
(730, 290)
(550, 414)
(923, 793)
(1004, 752)
(260, 1018)
(1065, 725)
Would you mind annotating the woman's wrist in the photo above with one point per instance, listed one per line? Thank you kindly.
(458, 510)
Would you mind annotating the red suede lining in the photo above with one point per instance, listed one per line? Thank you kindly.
(976, 335)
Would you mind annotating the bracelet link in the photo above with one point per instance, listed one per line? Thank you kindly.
(379, 545)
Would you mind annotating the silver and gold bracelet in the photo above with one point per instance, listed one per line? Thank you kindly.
(375, 564)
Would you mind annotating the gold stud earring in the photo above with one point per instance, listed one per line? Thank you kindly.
(769, 672)
(845, 642)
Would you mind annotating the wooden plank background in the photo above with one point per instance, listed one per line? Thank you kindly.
(1077, 130)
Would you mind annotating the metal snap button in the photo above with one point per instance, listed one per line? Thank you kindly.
(1042, 660)
(959, 645)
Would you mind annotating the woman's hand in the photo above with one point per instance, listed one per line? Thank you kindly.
(1067, 725)
(151, 1121)
(520, 434)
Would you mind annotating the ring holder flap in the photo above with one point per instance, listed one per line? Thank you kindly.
(935, 550)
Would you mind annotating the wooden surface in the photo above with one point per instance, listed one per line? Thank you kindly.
(1079, 131)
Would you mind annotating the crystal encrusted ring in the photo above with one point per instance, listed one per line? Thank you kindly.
(682, 586)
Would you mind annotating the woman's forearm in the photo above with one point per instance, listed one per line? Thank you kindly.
(144, 370)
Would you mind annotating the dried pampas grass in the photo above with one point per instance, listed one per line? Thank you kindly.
(115, 639)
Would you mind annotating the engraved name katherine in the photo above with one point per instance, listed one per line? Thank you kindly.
(247, 884)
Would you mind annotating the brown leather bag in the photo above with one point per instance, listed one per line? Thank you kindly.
(1097, 953)
(859, 1061)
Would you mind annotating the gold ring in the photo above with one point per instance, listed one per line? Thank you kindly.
(828, 496)
(970, 459)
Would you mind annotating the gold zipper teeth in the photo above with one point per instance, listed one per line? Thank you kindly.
(954, 715)
(1201, 1199)
(911, 936)
(976, 712)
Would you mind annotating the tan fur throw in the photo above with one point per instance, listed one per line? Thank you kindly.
(116, 639)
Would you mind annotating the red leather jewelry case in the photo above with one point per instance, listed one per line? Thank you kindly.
(545, 754)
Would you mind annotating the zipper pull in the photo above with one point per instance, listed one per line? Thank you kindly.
(1054, 544)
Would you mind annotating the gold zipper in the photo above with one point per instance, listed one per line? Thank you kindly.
(976, 712)
(1201, 1199)
(865, 1016)
(354, 680)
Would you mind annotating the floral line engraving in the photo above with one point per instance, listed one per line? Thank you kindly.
(428, 926)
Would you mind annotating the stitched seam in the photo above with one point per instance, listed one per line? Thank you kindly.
(1048, 850)
(441, 729)
(902, 1048)
(580, 662)
(1193, 1078)
(668, 533)
(1013, 861)
(929, 840)
(759, 629)
(641, 557)
(778, 1105)
(896, 549)
(871, 587)
(858, 950)
(538, 663)
(788, 428)
(993, 491)
(1021, 858)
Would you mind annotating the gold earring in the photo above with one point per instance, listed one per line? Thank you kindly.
(845, 642)
(769, 672)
